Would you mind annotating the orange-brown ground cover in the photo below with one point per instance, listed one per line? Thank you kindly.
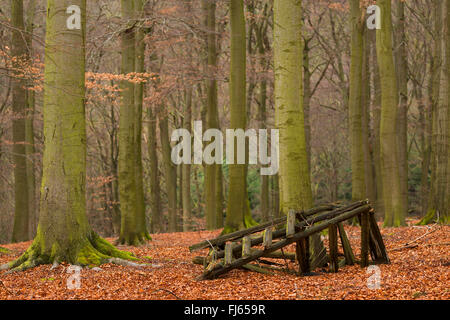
(420, 271)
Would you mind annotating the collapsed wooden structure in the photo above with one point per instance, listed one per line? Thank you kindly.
(239, 249)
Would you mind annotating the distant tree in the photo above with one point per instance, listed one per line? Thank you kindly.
(355, 101)
(19, 103)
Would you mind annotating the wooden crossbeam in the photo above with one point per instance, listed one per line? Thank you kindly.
(365, 236)
(348, 252)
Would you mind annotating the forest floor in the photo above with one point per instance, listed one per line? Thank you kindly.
(420, 270)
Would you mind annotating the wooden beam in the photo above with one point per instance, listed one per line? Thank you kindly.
(241, 233)
(302, 254)
(378, 240)
(229, 253)
(348, 252)
(290, 223)
(365, 236)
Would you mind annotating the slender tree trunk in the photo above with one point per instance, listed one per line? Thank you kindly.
(447, 68)
(394, 211)
(139, 100)
(307, 97)
(355, 102)
(211, 113)
(155, 190)
(29, 126)
(129, 230)
(170, 172)
(376, 110)
(186, 168)
(369, 173)
(64, 234)
(19, 104)
(439, 193)
(402, 82)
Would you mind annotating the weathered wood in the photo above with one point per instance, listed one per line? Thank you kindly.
(302, 254)
(280, 255)
(267, 237)
(333, 243)
(235, 235)
(382, 256)
(229, 253)
(290, 223)
(246, 246)
(365, 236)
(282, 243)
(348, 252)
(199, 260)
(241, 233)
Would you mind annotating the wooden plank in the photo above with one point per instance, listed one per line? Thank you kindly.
(333, 243)
(267, 237)
(283, 243)
(302, 254)
(229, 253)
(290, 223)
(246, 246)
(365, 236)
(348, 252)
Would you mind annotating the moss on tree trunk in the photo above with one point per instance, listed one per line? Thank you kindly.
(64, 234)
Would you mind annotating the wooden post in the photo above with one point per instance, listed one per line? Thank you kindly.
(302, 253)
(382, 256)
(246, 246)
(348, 252)
(332, 238)
(365, 239)
(290, 224)
(267, 237)
(228, 253)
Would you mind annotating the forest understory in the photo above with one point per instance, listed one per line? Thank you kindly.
(419, 269)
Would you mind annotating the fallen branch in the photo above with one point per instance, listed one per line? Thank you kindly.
(410, 245)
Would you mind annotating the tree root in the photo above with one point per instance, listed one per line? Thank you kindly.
(92, 250)
(134, 240)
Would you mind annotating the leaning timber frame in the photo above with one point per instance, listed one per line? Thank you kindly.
(235, 250)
